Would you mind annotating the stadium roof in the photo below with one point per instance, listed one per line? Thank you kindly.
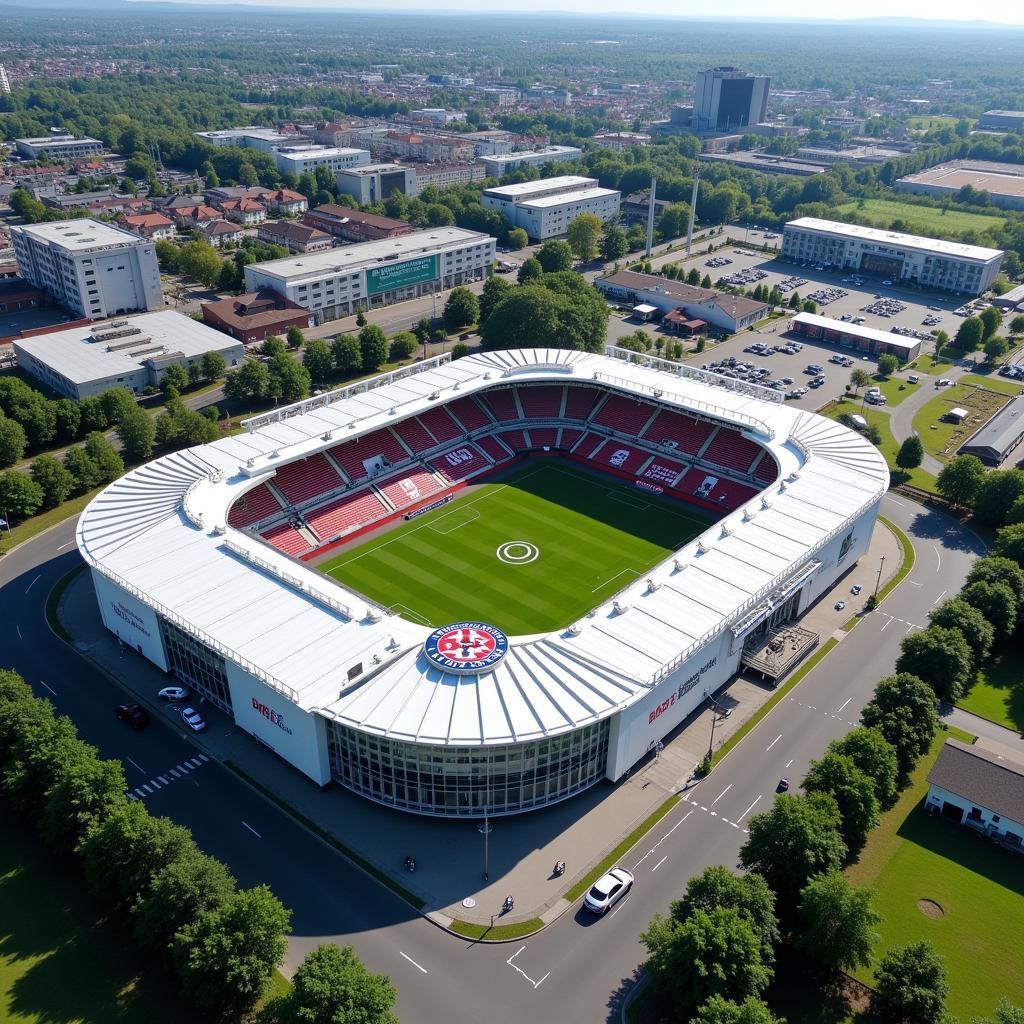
(932, 245)
(160, 532)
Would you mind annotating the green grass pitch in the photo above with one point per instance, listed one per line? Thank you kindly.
(529, 553)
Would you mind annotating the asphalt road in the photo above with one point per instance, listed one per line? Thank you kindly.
(579, 968)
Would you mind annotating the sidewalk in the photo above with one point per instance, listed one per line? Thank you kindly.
(450, 854)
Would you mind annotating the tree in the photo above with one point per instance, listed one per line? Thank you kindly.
(614, 245)
(402, 346)
(294, 337)
(360, 317)
(837, 922)
(213, 365)
(995, 347)
(251, 380)
(461, 309)
(959, 480)
(85, 791)
(554, 256)
(996, 495)
(875, 756)
(583, 235)
(332, 986)
(200, 261)
(710, 953)
(888, 364)
(940, 657)
(104, 456)
(69, 419)
(996, 603)
(137, 432)
(226, 958)
(995, 569)
(859, 379)
(911, 984)
(636, 341)
(705, 281)
(348, 356)
(117, 403)
(174, 380)
(991, 320)
(798, 838)
(12, 441)
(853, 790)
(289, 380)
(693, 277)
(373, 345)
(529, 270)
(970, 334)
(54, 478)
(911, 453)
(957, 613)
(1005, 1014)
(20, 495)
(904, 710)
(517, 238)
(719, 1010)
(318, 360)
(1017, 326)
(495, 289)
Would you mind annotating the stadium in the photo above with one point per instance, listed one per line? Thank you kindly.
(487, 582)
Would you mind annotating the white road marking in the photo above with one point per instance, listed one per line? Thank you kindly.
(749, 809)
(845, 702)
(938, 559)
(63, 546)
(788, 763)
(888, 623)
(612, 914)
(662, 839)
(18, 628)
(660, 862)
(720, 795)
(163, 779)
(914, 584)
(50, 688)
(252, 830)
(535, 984)
(413, 962)
(939, 598)
(145, 788)
(33, 583)
(139, 793)
(137, 765)
(773, 742)
(894, 501)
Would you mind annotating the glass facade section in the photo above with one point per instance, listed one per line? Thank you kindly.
(457, 781)
(194, 663)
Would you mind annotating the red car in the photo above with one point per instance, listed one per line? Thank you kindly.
(134, 714)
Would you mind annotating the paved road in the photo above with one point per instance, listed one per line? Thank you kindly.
(574, 971)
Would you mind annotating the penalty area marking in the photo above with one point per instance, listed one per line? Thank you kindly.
(625, 499)
(443, 525)
(612, 579)
(517, 552)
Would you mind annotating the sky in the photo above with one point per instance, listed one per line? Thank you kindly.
(952, 10)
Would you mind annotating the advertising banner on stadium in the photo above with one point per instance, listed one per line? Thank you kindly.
(401, 275)
(430, 507)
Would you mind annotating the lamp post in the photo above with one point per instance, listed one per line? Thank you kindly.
(879, 580)
(485, 828)
(711, 742)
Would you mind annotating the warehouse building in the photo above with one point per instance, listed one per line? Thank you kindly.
(132, 353)
(334, 284)
(1002, 120)
(1003, 182)
(546, 208)
(863, 339)
(266, 140)
(496, 166)
(994, 441)
(309, 158)
(370, 183)
(59, 147)
(928, 262)
(94, 269)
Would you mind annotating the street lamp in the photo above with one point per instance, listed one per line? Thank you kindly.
(879, 580)
(485, 828)
(711, 742)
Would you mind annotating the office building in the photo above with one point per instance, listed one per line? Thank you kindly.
(858, 337)
(1004, 183)
(333, 284)
(546, 208)
(94, 269)
(132, 353)
(5, 82)
(437, 115)
(502, 163)
(429, 148)
(1002, 120)
(928, 262)
(354, 225)
(266, 140)
(726, 99)
(299, 161)
(373, 182)
(446, 175)
(58, 147)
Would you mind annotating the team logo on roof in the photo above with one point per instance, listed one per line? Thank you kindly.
(464, 647)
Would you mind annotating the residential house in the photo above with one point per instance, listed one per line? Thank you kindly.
(246, 212)
(294, 236)
(285, 202)
(149, 225)
(188, 217)
(221, 232)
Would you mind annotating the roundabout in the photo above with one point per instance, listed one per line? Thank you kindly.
(517, 552)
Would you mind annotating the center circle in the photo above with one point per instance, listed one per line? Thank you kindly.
(517, 552)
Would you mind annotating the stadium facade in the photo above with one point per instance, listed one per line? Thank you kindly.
(198, 564)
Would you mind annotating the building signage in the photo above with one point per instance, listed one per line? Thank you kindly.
(127, 615)
(465, 647)
(684, 689)
(270, 715)
(390, 276)
(430, 507)
(644, 485)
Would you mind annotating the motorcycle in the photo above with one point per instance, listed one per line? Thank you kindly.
(410, 864)
(507, 905)
(559, 868)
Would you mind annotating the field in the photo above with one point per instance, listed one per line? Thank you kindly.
(530, 553)
(880, 213)
(912, 857)
(998, 691)
(981, 398)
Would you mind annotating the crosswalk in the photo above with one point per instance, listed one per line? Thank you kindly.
(179, 771)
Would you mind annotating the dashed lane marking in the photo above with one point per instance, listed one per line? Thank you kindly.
(750, 808)
(708, 811)
(827, 714)
(660, 862)
(663, 838)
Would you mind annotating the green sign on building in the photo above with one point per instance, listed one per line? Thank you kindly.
(390, 276)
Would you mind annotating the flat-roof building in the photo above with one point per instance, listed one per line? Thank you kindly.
(59, 147)
(546, 208)
(855, 336)
(95, 269)
(496, 166)
(1004, 183)
(266, 140)
(726, 99)
(766, 163)
(133, 353)
(447, 174)
(369, 183)
(333, 284)
(927, 262)
(309, 158)
(999, 436)
(1003, 120)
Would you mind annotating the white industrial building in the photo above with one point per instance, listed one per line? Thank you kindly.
(927, 262)
(546, 208)
(370, 274)
(132, 353)
(349, 691)
(502, 163)
(265, 140)
(95, 269)
(370, 183)
(309, 158)
(58, 146)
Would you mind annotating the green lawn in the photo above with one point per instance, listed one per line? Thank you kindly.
(593, 536)
(922, 219)
(993, 383)
(980, 888)
(895, 389)
(928, 364)
(943, 439)
(998, 691)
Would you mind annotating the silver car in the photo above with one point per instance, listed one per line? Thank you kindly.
(193, 719)
(608, 890)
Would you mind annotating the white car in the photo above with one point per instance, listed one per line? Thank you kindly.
(840, 605)
(173, 693)
(608, 890)
(193, 719)
(855, 589)
(943, 382)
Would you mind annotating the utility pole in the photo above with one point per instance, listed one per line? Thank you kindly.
(693, 208)
(879, 580)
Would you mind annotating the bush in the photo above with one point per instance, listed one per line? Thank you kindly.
(403, 345)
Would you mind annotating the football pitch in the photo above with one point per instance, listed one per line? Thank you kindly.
(529, 553)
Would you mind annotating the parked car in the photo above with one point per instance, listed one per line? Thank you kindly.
(840, 605)
(783, 786)
(608, 890)
(855, 589)
(193, 719)
(134, 714)
(174, 693)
